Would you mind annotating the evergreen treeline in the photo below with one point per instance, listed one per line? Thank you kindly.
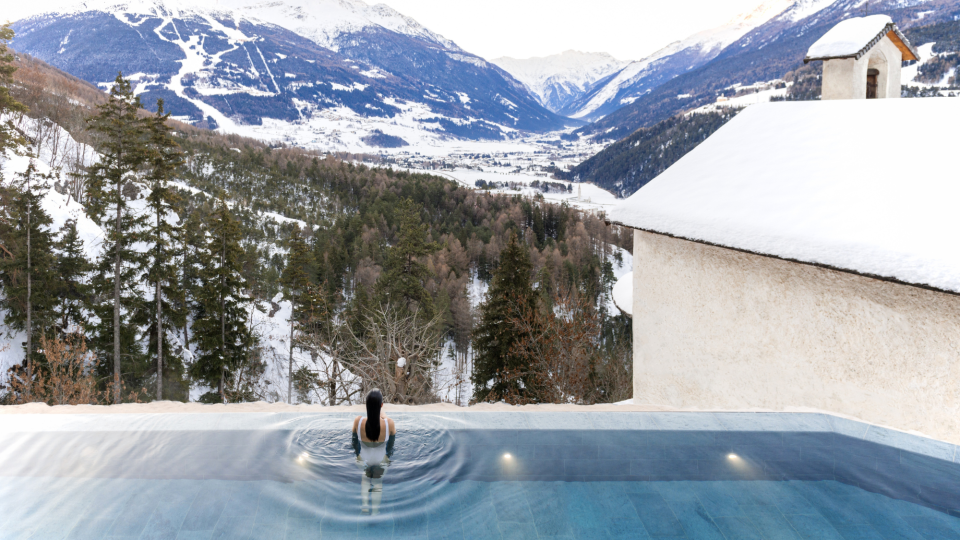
(627, 165)
(946, 36)
(201, 231)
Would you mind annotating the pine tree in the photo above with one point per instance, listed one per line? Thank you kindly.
(192, 246)
(402, 283)
(27, 274)
(498, 373)
(72, 290)
(9, 136)
(113, 179)
(221, 330)
(164, 313)
(298, 289)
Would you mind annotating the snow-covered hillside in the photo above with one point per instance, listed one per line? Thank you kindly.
(560, 79)
(271, 327)
(639, 77)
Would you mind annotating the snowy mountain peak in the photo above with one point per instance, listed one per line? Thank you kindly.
(557, 79)
(321, 21)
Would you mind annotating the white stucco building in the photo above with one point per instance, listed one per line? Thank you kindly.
(862, 58)
(806, 256)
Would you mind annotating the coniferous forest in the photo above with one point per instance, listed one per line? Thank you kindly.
(408, 282)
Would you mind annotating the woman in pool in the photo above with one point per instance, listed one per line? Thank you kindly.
(373, 439)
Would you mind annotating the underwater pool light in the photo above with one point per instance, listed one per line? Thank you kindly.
(733, 456)
(507, 456)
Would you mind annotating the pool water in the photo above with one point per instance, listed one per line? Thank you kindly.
(190, 509)
(301, 480)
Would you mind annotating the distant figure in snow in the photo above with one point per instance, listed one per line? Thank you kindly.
(373, 439)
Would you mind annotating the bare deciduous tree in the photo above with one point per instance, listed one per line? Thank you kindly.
(67, 377)
(399, 354)
(565, 357)
(395, 352)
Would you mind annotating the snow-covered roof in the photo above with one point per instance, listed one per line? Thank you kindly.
(868, 186)
(852, 38)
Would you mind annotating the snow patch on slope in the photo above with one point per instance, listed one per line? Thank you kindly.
(623, 293)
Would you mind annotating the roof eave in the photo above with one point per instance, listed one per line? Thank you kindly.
(798, 261)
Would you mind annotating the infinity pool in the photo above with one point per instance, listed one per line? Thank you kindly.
(609, 475)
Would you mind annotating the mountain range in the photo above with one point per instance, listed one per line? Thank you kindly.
(559, 81)
(244, 62)
(342, 70)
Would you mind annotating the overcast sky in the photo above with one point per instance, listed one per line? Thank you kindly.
(627, 29)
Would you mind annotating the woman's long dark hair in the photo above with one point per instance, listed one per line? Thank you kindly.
(374, 404)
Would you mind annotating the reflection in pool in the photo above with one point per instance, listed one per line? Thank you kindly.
(304, 482)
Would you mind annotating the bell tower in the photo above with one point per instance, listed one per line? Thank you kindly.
(861, 58)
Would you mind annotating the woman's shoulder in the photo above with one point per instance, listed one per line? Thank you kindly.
(356, 422)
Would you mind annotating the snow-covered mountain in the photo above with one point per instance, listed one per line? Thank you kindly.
(248, 62)
(639, 77)
(560, 79)
(325, 21)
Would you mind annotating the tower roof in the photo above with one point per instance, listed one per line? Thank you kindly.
(854, 37)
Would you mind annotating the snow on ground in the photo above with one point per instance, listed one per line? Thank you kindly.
(583, 196)
(340, 129)
(622, 273)
(274, 335)
(763, 93)
(284, 219)
(909, 73)
(623, 293)
(60, 210)
(809, 181)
